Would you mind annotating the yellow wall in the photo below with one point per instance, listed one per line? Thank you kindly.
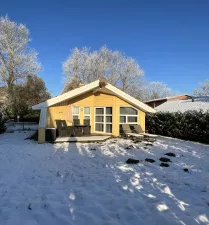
(59, 111)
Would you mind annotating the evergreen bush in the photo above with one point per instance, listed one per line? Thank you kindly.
(2, 127)
(191, 125)
(32, 116)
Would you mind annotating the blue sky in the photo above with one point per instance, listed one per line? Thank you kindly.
(169, 39)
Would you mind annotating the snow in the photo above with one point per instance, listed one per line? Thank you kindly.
(82, 139)
(18, 126)
(90, 183)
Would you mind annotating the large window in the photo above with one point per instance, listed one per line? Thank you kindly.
(103, 119)
(128, 115)
(75, 113)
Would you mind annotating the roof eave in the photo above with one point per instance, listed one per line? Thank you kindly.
(140, 105)
(72, 94)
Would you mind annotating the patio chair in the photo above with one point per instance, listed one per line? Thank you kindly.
(126, 130)
(78, 128)
(70, 129)
(87, 130)
(87, 127)
(86, 122)
(76, 122)
(63, 129)
(138, 129)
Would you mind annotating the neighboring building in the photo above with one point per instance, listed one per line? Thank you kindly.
(156, 102)
(194, 103)
(105, 106)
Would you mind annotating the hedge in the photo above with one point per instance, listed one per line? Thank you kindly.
(30, 117)
(2, 127)
(191, 125)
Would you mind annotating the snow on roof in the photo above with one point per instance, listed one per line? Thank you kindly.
(89, 87)
(198, 103)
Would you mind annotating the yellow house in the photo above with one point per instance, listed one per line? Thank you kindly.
(105, 106)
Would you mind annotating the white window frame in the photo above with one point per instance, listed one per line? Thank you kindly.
(84, 114)
(104, 115)
(105, 119)
(126, 115)
(76, 114)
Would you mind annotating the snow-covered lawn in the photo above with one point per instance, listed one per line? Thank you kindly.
(60, 184)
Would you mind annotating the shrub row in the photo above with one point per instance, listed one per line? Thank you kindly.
(30, 117)
(2, 127)
(191, 125)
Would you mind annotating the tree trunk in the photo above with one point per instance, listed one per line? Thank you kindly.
(12, 98)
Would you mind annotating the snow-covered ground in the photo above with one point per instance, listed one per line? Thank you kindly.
(61, 184)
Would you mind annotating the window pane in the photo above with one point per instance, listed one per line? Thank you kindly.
(122, 110)
(99, 111)
(109, 119)
(99, 127)
(131, 111)
(99, 119)
(86, 117)
(75, 110)
(132, 119)
(87, 110)
(122, 119)
(109, 110)
(128, 111)
(75, 117)
(109, 128)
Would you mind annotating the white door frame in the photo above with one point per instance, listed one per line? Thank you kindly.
(104, 116)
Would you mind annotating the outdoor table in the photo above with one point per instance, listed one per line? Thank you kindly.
(81, 127)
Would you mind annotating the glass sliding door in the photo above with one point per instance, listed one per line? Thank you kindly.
(103, 119)
(108, 120)
(99, 119)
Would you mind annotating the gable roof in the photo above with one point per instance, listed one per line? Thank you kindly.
(89, 87)
(198, 103)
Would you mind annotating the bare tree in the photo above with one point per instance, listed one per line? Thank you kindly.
(203, 90)
(17, 60)
(156, 90)
(71, 85)
(87, 66)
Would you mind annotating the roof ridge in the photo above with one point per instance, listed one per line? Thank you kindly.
(88, 87)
